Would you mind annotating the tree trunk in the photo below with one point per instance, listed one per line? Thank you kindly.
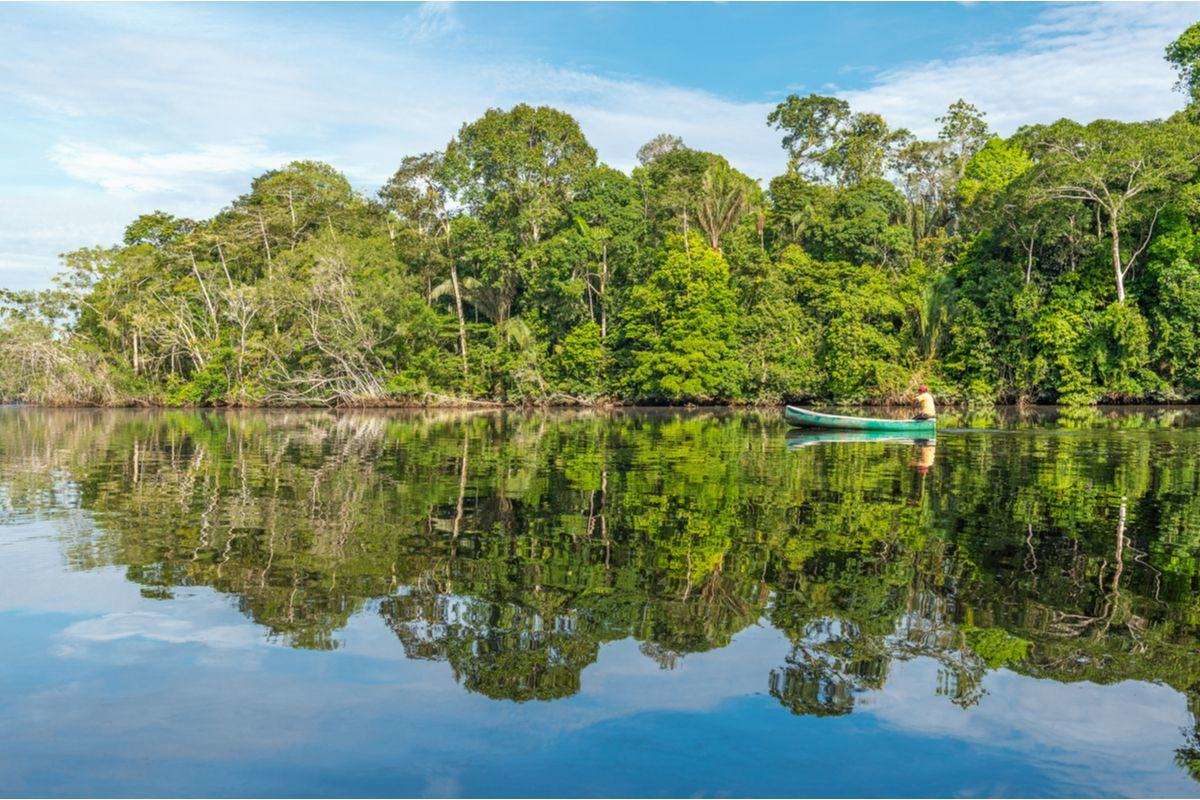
(462, 485)
(1120, 554)
(270, 269)
(603, 281)
(262, 227)
(462, 323)
(458, 306)
(224, 267)
(212, 311)
(1118, 270)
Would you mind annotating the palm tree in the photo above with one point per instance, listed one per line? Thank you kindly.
(930, 316)
(724, 198)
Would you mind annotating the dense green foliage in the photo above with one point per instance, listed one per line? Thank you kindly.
(1057, 265)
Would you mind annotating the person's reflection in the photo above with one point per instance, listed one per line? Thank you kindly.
(926, 449)
(922, 461)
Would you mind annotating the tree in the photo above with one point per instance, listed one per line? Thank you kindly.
(670, 185)
(862, 151)
(858, 309)
(810, 125)
(660, 145)
(1172, 295)
(864, 224)
(825, 140)
(779, 334)
(990, 170)
(678, 330)
(1184, 55)
(417, 194)
(725, 195)
(158, 229)
(796, 205)
(1127, 171)
(922, 168)
(516, 169)
(607, 213)
(964, 131)
(287, 205)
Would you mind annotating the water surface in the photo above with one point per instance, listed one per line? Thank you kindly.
(629, 603)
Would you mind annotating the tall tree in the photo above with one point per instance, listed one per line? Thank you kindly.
(922, 167)
(660, 145)
(417, 194)
(725, 196)
(810, 126)
(826, 141)
(516, 171)
(1184, 55)
(1128, 171)
(964, 131)
(518, 168)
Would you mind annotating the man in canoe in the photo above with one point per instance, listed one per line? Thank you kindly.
(924, 404)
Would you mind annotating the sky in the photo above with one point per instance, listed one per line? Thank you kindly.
(114, 110)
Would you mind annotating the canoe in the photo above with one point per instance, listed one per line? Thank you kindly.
(797, 439)
(803, 418)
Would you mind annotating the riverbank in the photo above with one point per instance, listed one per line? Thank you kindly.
(452, 403)
(950, 415)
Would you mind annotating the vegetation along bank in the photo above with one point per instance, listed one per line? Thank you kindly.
(1060, 264)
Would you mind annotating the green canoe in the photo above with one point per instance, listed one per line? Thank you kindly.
(803, 418)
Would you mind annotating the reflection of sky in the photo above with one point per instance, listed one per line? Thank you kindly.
(105, 692)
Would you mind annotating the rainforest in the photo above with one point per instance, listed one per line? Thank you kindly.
(1060, 264)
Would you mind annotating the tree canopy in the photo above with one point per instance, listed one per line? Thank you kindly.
(1058, 264)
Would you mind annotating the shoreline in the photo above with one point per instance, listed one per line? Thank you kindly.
(484, 405)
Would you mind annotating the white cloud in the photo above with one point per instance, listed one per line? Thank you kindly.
(432, 20)
(368, 104)
(1121, 736)
(181, 115)
(32, 573)
(1078, 61)
(151, 173)
(36, 224)
(163, 628)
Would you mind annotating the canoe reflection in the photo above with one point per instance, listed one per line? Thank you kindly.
(924, 450)
(797, 439)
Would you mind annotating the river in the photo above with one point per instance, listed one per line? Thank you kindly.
(629, 603)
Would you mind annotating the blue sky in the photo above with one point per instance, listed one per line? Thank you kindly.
(112, 110)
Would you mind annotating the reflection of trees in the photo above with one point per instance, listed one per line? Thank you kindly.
(1188, 754)
(501, 651)
(514, 546)
(831, 663)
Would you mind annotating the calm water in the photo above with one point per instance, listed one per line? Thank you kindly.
(596, 604)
